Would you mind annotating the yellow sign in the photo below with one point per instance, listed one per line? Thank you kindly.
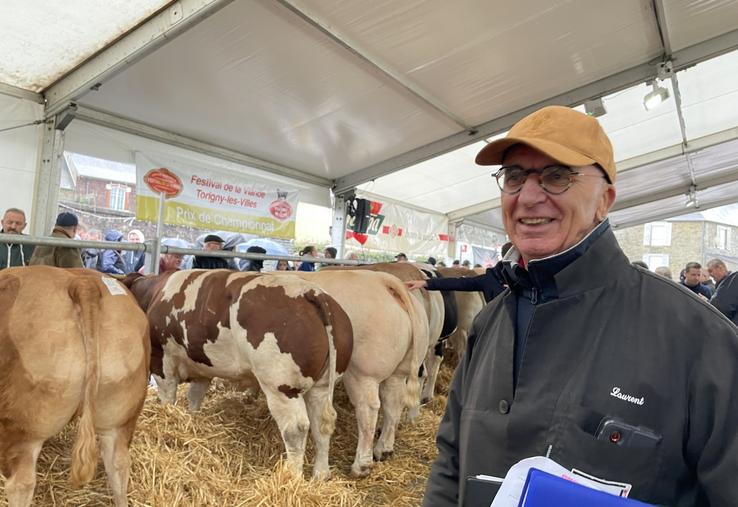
(147, 208)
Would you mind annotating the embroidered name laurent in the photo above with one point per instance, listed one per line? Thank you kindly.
(626, 397)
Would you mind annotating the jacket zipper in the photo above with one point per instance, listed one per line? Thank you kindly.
(534, 295)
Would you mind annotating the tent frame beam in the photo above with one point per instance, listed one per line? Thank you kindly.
(20, 93)
(671, 214)
(173, 20)
(133, 127)
(681, 60)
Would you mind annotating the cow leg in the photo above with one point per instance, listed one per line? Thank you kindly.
(196, 394)
(316, 399)
(432, 365)
(364, 396)
(292, 419)
(167, 388)
(114, 445)
(22, 473)
(392, 395)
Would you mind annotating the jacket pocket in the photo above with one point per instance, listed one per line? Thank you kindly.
(576, 448)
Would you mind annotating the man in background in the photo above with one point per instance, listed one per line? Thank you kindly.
(13, 254)
(60, 256)
(718, 271)
(725, 298)
(692, 275)
(132, 259)
(211, 243)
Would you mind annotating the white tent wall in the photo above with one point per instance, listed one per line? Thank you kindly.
(106, 143)
(19, 152)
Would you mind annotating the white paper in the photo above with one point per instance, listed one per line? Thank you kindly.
(621, 489)
(114, 287)
(512, 487)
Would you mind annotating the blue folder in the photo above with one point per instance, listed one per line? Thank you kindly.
(545, 490)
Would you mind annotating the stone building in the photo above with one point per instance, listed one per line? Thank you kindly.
(698, 236)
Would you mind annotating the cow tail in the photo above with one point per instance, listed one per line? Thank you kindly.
(328, 415)
(86, 295)
(419, 346)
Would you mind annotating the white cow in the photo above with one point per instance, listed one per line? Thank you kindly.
(390, 342)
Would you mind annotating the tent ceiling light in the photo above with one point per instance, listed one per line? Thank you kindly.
(655, 97)
(595, 108)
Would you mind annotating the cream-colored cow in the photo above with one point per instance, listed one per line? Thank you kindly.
(71, 342)
(390, 342)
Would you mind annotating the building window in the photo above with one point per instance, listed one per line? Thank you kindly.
(722, 237)
(656, 260)
(117, 193)
(657, 234)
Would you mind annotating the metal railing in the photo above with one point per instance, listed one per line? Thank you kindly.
(149, 247)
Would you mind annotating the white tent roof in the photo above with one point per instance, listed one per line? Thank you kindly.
(41, 40)
(345, 92)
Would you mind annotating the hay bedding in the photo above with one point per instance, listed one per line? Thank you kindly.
(229, 455)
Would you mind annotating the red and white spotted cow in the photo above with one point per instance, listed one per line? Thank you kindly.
(287, 333)
(71, 341)
(390, 341)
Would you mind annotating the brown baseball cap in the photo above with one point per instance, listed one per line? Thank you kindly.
(564, 134)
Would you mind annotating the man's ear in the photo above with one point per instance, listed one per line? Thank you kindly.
(607, 199)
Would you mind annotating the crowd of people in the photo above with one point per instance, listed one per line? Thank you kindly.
(122, 262)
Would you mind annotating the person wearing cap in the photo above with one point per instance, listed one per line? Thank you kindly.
(401, 257)
(211, 243)
(14, 254)
(60, 256)
(601, 366)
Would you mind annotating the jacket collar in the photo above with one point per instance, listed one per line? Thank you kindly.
(561, 274)
(62, 231)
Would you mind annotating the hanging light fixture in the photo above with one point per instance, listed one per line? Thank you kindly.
(655, 97)
(692, 201)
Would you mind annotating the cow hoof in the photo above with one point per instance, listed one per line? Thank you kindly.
(362, 471)
(425, 401)
(323, 475)
(386, 455)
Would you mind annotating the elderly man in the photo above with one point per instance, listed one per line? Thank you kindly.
(725, 298)
(718, 271)
(211, 243)
(14, 254)
(604, 367)
(60, 256)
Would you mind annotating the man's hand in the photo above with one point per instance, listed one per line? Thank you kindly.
(416, 284)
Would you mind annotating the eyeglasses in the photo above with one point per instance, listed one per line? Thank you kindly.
(553, 179)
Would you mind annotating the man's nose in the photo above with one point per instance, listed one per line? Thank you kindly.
(532, 192)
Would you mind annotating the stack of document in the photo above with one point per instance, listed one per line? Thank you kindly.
(540, 481)
(546, 490)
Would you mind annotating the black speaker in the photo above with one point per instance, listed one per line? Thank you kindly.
(360, 210)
